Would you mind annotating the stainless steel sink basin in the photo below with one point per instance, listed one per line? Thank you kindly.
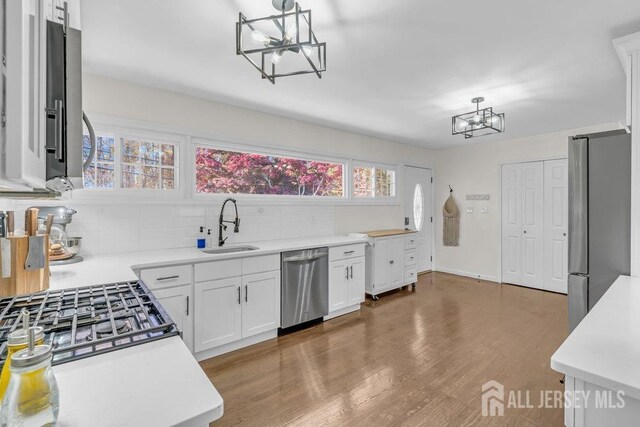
(229, 249)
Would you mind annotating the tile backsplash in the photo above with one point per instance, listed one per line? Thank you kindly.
(108, 228)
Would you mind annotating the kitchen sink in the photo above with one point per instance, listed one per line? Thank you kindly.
(229, 249)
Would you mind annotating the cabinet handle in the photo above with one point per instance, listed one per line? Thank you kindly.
(351, 271)
(391, 262)
(160, 279)
(347, 268)
(349, 252)
(238, 294)
(246, 293)
(187, 305)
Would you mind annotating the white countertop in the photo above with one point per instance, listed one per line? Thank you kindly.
(604, 349)
(102, 269)
(153, 384)
(158, 383)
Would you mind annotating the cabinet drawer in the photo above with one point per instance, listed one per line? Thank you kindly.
(410, 241)
(411, 274)
(410, 257)
(344, 252)
(166, 277)
(260, 264)
(217, 270)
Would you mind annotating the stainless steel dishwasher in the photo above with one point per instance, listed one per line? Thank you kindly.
(305, 286)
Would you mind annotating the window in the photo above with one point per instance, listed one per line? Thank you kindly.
(235, 172)
(131, 163)
(147, 164)
(418, 207)
(373, 182)
(100, 174)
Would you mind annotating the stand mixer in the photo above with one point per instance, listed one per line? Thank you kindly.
(66, 247)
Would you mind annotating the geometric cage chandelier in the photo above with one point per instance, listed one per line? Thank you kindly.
(481, 122)
(281, 45)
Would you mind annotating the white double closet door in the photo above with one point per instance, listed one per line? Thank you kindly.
(534, 224)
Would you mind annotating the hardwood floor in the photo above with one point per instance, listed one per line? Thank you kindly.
(413, 358)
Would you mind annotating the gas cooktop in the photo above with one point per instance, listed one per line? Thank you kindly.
(88, 321)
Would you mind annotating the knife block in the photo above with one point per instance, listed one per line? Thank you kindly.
(21, 281)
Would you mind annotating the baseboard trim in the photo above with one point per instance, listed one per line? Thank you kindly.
(468, 274)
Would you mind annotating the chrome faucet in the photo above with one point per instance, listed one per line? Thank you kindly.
(222, 226)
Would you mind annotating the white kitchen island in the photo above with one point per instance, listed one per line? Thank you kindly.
(601, 361)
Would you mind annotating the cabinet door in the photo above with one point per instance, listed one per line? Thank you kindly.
(395, 255)
(24, 76)
(338, 291)
(381, 264)
(177, 302)
(217, 313)
(356, 281)
(261, 303)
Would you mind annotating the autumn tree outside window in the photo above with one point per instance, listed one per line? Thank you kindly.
(234, 172)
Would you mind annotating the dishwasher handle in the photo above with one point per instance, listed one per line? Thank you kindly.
(304, 258)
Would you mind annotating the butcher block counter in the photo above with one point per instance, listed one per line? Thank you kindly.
(388, 233)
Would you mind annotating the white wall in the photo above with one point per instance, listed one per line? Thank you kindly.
(475, 169)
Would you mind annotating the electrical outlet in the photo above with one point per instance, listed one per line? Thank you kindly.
(469, 210)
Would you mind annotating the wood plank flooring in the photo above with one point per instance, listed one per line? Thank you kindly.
(412, 358)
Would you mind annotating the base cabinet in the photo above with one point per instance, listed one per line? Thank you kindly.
(391, 264)
(178, 304)
(218, 313)
(261, 304)
(228, 310)
(346, 283)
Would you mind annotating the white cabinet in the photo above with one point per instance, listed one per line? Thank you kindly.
(391, 264)
(24, 164)
(178, 304)
(346, 283)
(261, 304)
(356, 281)
(231, 309)
(346, 278)
(218, 313)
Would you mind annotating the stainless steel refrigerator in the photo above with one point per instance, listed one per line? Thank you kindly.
(599, 217)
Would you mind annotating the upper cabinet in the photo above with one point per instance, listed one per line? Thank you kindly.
(23, 80)
(24, 64)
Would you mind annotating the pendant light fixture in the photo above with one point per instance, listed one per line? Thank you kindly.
(283, 44)
(481, 122)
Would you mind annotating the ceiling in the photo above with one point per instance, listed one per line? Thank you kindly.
(396, 70)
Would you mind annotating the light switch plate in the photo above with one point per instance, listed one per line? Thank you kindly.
(484, 211)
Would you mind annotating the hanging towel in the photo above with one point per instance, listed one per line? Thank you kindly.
(451, 229)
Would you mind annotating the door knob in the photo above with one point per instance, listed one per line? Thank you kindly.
(564, 234)
(525, 231)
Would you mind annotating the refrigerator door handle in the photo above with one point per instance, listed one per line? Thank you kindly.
(578, 205)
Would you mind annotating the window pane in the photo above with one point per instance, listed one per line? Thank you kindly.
(168, 179)
(104, 175)
(418, 207)
(385, 183)
(99, 175)
(131, 176)
(105, 149)
(362, 182)
(168, 156)
(150, 153)
(130, 151)
(219, 171)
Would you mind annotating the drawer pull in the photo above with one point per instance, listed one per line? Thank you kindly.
(349, 252)
(160, 279)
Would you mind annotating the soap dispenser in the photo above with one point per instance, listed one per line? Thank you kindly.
(201, 242)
